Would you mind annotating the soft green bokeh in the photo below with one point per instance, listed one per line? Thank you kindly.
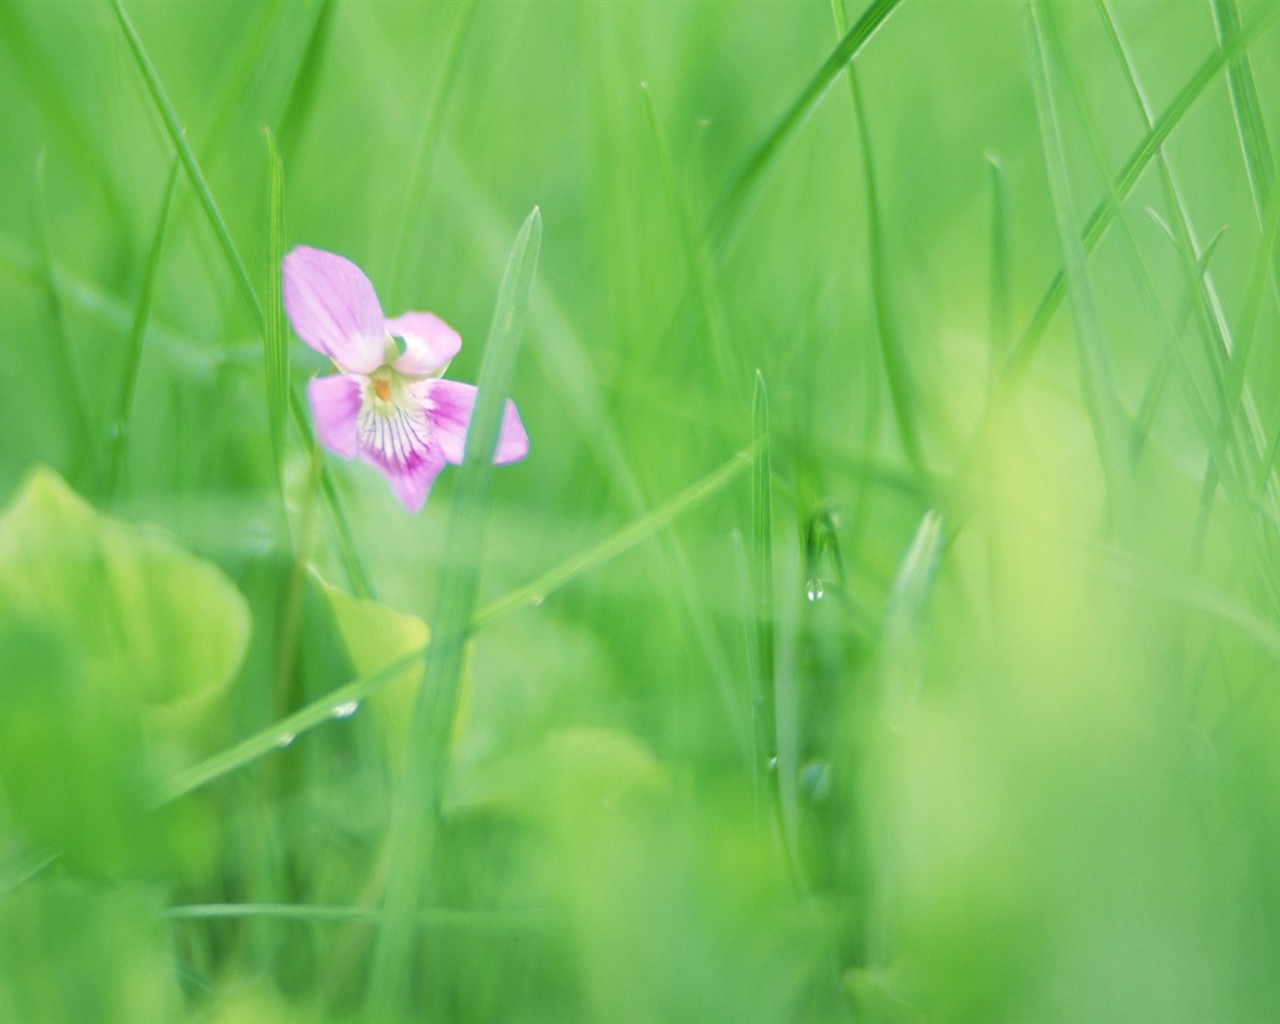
(1027, 710)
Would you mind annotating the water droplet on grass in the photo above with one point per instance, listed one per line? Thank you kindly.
(346, 709)
(285, 739)
(814, 590)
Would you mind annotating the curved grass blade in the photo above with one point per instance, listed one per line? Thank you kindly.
(1250, 124)
(896, 367)
(727, 215)
(695, 255)
(1104, 214)
(346, 546)
(428, 917)
(420, 165)
(133, 360)
(284, 732)
(1105, 412)
(303, 90)
(421, 791)
(77, 400)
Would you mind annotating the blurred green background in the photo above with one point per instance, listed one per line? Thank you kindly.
(949, 691)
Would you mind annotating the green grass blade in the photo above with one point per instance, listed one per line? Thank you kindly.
(535, 592)
(133, 360)
(704, 295)
(346, 545)
(283, 733)
(275, 339)
(894, 353)
(76, 398)
(763, 697)
(428, 917)
(901, 652)
(1105, 413)
(415, 193)
(421, 792)
(728, 213)
(998, 317)
(1104, 214)
(176, 135)
(297, 106)
(1243, 90)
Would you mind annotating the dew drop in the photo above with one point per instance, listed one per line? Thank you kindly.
(537, 600)
(285, 739)
(816, 780)
(773, 764)
(814, 590)
(346, 709)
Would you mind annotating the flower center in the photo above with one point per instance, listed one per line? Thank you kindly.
(382, 388)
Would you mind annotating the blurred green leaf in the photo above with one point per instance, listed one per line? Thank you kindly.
(151, 621)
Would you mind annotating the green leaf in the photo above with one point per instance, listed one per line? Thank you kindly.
(152, 621)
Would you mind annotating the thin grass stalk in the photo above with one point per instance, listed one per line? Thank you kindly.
(727, 215)
(416, 818)
(1105, 413)
(119, 434)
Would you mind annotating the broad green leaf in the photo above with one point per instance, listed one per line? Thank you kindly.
(375, 637)
(151, 621)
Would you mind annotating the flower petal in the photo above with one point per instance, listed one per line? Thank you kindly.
(410, 478)
(334, 309)
(429, 343)
(449, 405)
(335, 403)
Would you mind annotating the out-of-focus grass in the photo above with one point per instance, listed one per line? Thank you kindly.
(1009, 529)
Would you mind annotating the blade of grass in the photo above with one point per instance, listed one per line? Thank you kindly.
(415, 191)
(763, 696)
(133, 360)
(1104, 213)
(1105, 413)
(998, 316)
(534, 592)
(275, 342)
(727, 215)
(1243, 90)
(297, 106)
(73, 391)
(346, 546)
(428, 917)
(421, 790)
(284, 732)
(897, 369)
(562, 356)
(695, 255)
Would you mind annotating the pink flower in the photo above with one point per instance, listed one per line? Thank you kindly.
(388, 403)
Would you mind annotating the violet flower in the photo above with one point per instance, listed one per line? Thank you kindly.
(388, 403)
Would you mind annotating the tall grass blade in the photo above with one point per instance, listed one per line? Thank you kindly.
(179, 139)
(138, 329)
(76, 398)
(695, 255)
(998, 316)
(297, 107)
(275, 340)
(1243, 89)
(1105, 212)
(346, 545)
(285, 731)
(534, 592)
(763, 696)
(727, 215)
(415, 191)
(1100, 397)
(896, 366)
(421, 792)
